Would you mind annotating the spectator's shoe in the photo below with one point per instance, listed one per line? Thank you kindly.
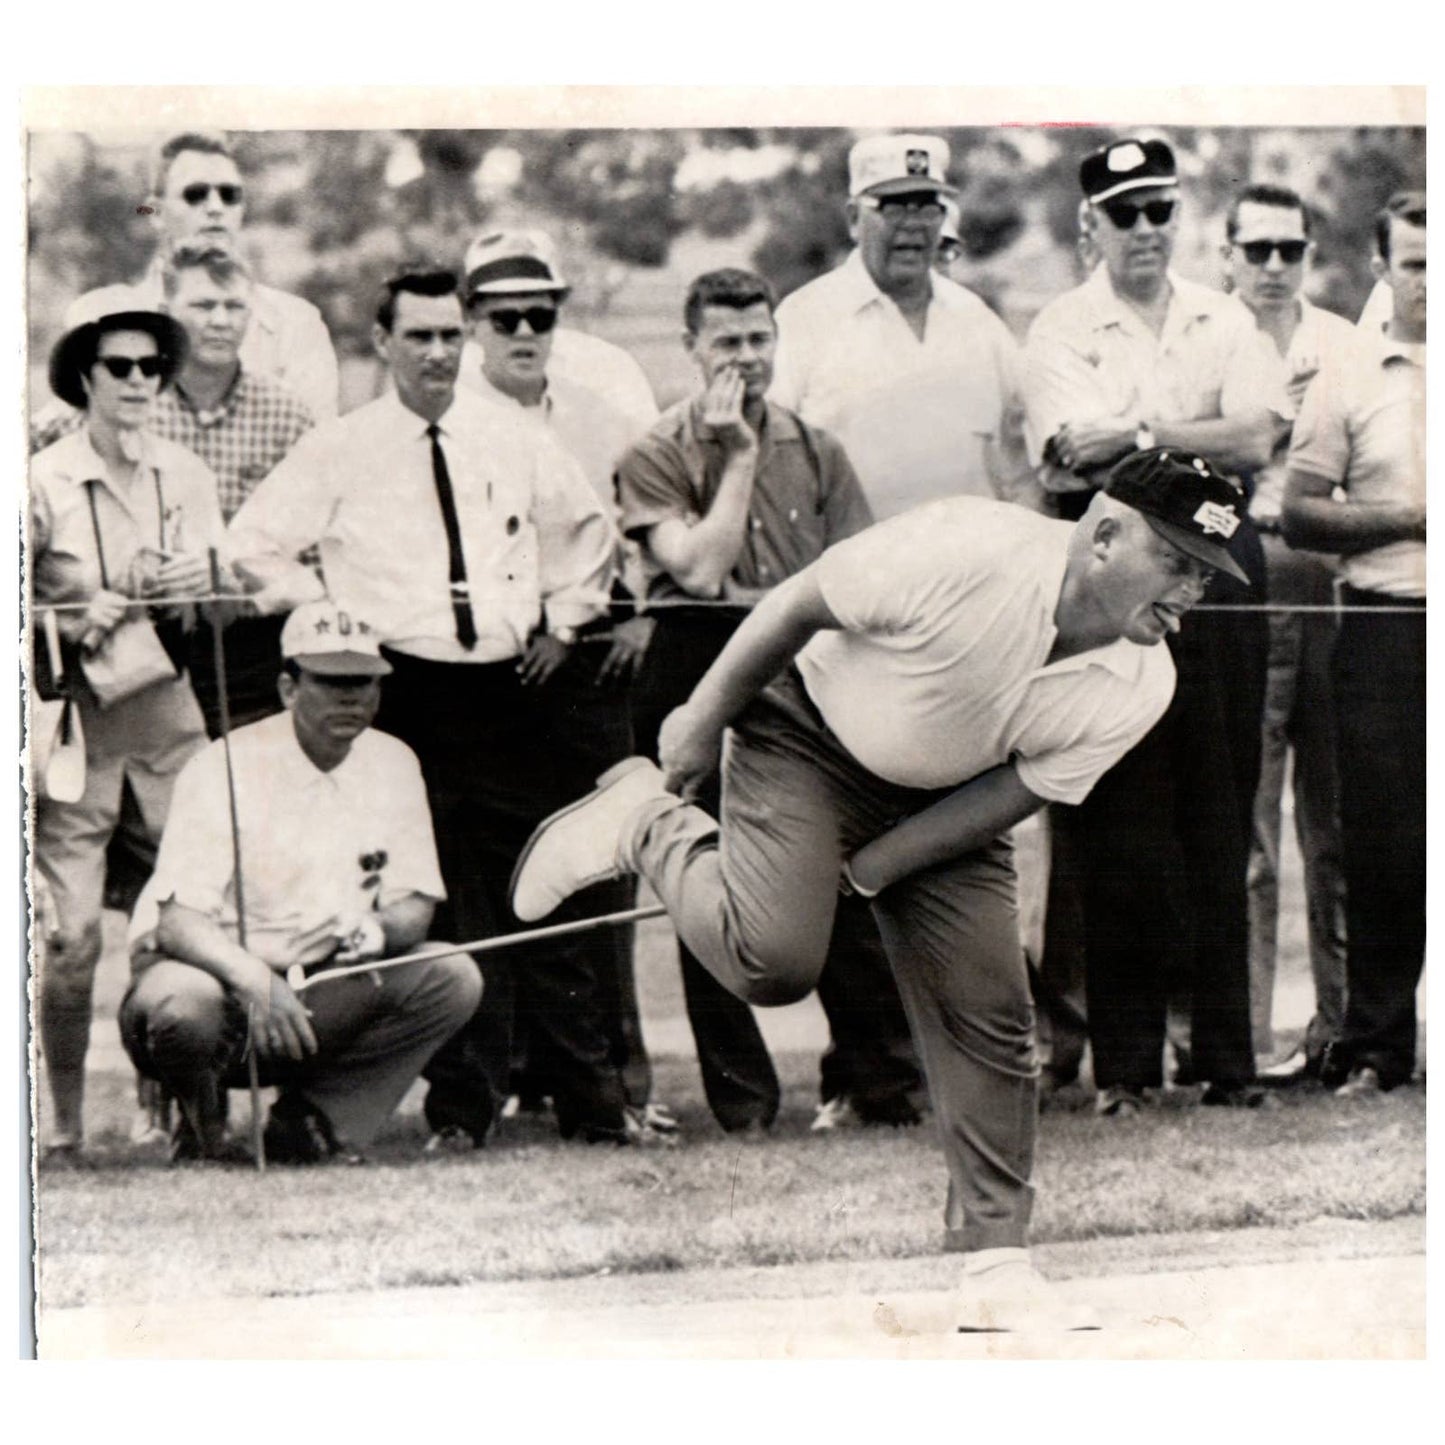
(1237, 1096)
(581, 844)
(1014, 1298)
(659, 1117)
(893, 1111)
(63, 1154)
(1363, 1083)
(1336, 1066)
(187, 1148)
(450, 1139)
(643, 1132)
(1300, 1067)
(834, 1114)
(297, 1132)
(1119, 1101)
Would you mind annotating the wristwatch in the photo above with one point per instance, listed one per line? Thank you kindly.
(565, 635)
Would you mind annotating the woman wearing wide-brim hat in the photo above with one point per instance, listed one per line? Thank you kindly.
(117, 515)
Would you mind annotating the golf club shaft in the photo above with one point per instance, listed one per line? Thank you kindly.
(486, 945)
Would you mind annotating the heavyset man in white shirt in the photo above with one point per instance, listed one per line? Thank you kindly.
(1136, 357)
(474, 545)
(913, 374)
(953, 668)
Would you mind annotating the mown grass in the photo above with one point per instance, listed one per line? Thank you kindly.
(532, 1208)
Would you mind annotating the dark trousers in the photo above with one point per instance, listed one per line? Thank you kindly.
(253, 663)
(871, 1058)
(1162, 844)
(1379, 683)
(491, 777)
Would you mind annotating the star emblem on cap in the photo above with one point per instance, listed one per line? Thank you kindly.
(323, 625)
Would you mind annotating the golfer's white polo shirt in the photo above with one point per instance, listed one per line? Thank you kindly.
(919, 419)
(940, 672)
(315, 845)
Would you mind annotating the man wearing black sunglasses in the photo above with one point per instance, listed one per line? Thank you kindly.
(1135, 357)
(198, 199)
(1267, 246)
(580, 390)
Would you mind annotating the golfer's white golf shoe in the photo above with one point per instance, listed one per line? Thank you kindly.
(581, 844)
(1012, 1297)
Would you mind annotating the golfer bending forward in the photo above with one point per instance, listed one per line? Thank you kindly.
(895, 709)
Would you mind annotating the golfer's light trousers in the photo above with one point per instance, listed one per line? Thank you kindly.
(754, 901)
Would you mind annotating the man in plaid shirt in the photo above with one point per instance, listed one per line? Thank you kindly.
(241, 424)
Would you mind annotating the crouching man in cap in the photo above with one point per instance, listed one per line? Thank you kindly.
(337, 866)
(892, 711)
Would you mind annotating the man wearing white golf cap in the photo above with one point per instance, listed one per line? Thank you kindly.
(338, 865)
(911, 372)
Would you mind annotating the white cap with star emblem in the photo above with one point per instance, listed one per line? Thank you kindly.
(324, 638)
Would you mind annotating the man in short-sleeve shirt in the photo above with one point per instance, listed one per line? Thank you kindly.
(955, 667)
(1361, 430)
(729, 495)
(337, 865)
(914, 375)
(1137, 357)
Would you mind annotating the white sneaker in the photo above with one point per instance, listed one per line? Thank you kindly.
(1014, 1298)
(579, 844)
(833, 1114)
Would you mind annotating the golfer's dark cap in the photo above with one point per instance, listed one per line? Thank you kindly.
(1185, 500)
(1127, 165)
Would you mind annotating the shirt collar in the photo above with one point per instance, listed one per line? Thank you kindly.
(1388, 349)
(1186, 299)
(89, 465)
(860, 290)
(293, 769)
(210, 416)
(408, 423)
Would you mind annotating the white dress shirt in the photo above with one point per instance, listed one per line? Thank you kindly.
(534, 537)
(918, 418)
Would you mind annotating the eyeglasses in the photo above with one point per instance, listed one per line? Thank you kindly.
(121, 367)
(506, 319)
(1259, 252)
(196, 193)
(925, 204)
(1125, 214)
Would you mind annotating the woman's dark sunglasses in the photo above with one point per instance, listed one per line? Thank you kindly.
(1258, 252)
(120, 367)
(506, 319)
(1125, 214)
(196, 193)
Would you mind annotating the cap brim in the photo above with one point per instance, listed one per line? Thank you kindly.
(517, 286)
(1212, 554)
(343, 664)
(906, 185)
(1139, 183)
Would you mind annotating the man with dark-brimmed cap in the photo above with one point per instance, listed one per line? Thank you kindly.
(340, 867)
(518, 357)
(954, 667)
(910, 371)
(1134, 358)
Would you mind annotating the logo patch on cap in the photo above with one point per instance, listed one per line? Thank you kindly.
(1126, 157)
(917, 163)
(1214, 518)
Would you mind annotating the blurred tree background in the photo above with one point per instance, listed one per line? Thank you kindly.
(637, 213)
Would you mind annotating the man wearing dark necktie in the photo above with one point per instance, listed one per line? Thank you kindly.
(477, 547)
